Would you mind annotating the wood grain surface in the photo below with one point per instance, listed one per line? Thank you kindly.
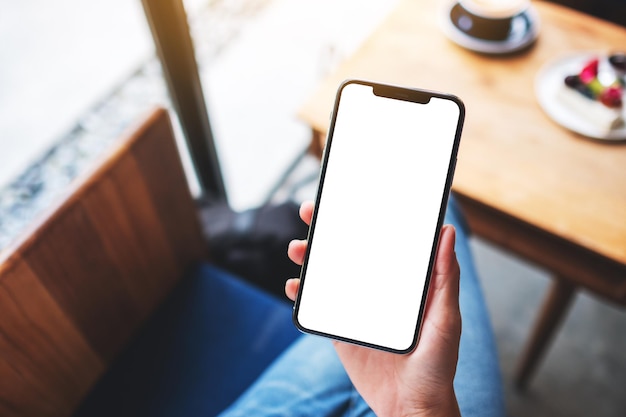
(76, 287)
(513, 159)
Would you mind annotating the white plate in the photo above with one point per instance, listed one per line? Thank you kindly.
(550, 80)
(524, 32)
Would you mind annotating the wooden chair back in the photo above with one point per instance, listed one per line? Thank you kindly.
(76, 287)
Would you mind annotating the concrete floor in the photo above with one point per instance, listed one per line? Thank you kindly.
(584, 371)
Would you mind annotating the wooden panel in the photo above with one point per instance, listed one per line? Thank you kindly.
(77, 286)
(72, 263)
(46, 365)
(167, 185)
(114, 211)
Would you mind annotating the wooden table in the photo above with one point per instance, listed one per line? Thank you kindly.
(526, 183)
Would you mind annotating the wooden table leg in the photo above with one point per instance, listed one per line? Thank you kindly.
(553, 310)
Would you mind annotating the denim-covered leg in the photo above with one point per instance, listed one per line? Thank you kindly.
(309, 380)
(478, 383)
(306, 380)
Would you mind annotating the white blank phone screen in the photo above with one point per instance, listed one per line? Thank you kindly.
(377, 217)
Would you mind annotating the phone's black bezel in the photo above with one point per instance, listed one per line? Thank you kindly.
(399, 93)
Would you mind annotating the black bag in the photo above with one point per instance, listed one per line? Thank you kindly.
(253, 243)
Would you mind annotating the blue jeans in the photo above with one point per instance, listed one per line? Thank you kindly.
(309, 380)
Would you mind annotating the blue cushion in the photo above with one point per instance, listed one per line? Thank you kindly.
(208, 342)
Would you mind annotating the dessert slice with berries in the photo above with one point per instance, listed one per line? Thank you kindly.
(596, 93)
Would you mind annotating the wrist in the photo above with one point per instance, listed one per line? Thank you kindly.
(446, 406)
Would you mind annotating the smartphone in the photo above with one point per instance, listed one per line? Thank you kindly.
(384, 184)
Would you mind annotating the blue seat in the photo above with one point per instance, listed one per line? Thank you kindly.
(208, 342)
(216, 334)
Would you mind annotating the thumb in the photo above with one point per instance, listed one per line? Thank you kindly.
(442, 318)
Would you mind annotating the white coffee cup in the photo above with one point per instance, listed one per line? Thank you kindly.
(495, 9)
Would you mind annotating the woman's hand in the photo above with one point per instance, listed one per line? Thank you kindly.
(419, 383)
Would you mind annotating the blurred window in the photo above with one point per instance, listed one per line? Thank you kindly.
(61, 61)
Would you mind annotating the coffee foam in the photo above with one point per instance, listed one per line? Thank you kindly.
(495, 9)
